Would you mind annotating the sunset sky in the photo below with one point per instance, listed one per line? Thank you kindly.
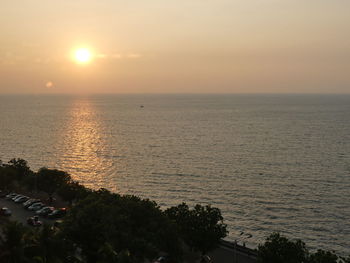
(163, 46)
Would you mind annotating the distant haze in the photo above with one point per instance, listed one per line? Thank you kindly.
(163, 46)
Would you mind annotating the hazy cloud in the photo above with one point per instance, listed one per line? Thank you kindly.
(118, 56)
(133, 55)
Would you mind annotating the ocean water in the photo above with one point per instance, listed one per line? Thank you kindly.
(270, 162)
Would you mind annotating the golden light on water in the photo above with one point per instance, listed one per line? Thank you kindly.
(84, 146)
(82, 55)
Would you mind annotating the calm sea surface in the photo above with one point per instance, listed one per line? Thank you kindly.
(270, 162)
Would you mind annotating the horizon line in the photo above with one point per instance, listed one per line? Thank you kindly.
(175, 93)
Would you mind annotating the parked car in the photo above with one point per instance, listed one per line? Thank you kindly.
(4, 211)
(34, 221)
(10, 196)
(44, 211)
(21, 199)
(57, 213)
(35, 206)
(30, 202)
(15, 197)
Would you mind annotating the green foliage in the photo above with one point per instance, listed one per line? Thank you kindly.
(20, 166)
(71, 191)
(50, 180)
(13, 243)
(15, 170)
(22, 244)
(345, 260)
(50, 246)
(107, 254)
(125, 257)
(322, 256)
(7, 177)
(124, 223)
(201, 227)
(278, 249)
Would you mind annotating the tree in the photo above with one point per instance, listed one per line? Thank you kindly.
(20, 166)
(322, 256)
(16, 172)
(125, 257)
(71, 191)
(49, 246)
(7, 177)
(50, 180)
(30, 182)
(13, 244)
(202, 228)
(107, 254)
(111, 224)
(278, 249)
(45, 245)
(345, 260)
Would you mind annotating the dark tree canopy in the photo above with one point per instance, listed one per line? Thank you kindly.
(201, 227)
(112, 223)
(322, 256)
(20, 244)
(12, 172)
(21, 166)
(13, 243)
(71, 191)
(50, 180)
(7, 177)
(278, 249)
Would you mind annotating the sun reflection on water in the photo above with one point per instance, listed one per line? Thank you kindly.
(84, 145)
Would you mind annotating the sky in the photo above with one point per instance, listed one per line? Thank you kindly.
(182, 46)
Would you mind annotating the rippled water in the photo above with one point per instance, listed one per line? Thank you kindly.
(270, 162)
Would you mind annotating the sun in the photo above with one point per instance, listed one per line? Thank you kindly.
(82, 55)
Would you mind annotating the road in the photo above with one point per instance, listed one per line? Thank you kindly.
(229, 253)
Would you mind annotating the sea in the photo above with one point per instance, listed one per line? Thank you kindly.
(271, 163)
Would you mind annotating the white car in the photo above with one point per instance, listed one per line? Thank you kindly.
(35, 206)
(30, 202)
(10, 196)
(21, 199)
(15, 197)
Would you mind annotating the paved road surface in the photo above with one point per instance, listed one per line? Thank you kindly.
(227, 255)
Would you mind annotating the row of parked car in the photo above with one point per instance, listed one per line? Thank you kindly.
(35, 205)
